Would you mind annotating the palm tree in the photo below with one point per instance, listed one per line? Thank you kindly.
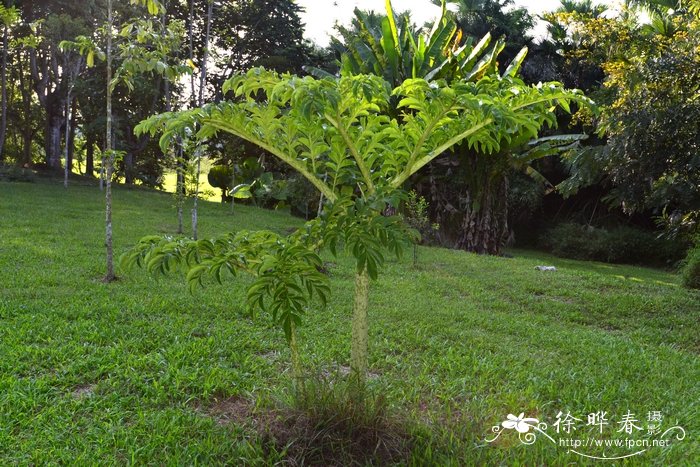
(584, 7)
(476, 18)
(661, 14)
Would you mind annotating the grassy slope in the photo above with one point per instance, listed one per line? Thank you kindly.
(120, 372)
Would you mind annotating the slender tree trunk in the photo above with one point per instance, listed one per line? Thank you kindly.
(179, 175)
(71, 135)
(67, 168)
(190, 35)
(3, 85)
(89, 155)
(180, 187)
(27, 130)
(27, 137)
(360, 327)
(205, 58)
(233, 185)
(202, 83)
(109, 276)
(129, 167)
(54, 123)
(177, 151)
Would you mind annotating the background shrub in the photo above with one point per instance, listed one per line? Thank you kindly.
(691, 267)
(12, 173)
(302, 196)
(616, 245)
(220, 176)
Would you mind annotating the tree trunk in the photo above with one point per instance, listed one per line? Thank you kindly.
(202, 83)
(71, 135)
(177, 151)
(360, 328)
(26, 130)
(3, 85)
(50, 82)
(27, 137)
(67, 168)
(233, 185)
(190, 35)
(180, 189)
(484, 227)
(129, 167)
(468, 198)
(89, 155)
(109, 276)
(54, 123)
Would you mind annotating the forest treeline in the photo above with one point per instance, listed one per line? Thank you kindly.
(603, 183)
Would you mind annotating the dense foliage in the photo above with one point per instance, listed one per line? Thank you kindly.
(619, 244)
(639, 164)
(691, 268)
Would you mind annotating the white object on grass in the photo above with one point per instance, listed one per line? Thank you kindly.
(545, 268)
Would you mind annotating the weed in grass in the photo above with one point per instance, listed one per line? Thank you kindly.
(322, 421)
(328, 422)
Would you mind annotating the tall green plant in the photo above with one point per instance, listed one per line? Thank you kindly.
(337, 135)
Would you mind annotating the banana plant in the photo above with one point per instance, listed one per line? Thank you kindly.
(337, 134)
(392, 48)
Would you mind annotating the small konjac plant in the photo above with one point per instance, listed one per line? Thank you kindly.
(417, 218)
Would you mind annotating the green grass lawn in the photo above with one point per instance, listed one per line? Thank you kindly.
(128, 372)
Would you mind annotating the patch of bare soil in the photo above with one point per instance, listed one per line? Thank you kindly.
(83, 391)
(316, 440)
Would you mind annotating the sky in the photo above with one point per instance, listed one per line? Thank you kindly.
(321, 15)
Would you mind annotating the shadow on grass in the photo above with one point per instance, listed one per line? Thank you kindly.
(322, 421)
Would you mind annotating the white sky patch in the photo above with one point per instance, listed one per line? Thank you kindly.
(321, 15)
